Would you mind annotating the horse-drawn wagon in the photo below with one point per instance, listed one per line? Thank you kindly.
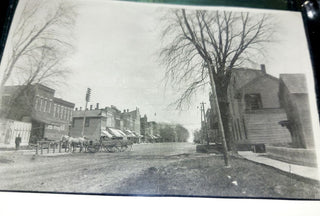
(109, 145)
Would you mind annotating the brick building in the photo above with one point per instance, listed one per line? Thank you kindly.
(131, 121)
(50, 116)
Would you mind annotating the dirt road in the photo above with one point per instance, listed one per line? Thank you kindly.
(86, 172)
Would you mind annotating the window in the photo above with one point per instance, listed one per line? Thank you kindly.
(70, 114)
(61, 112)
(45, 105)
(54, 110)
(49, 106)
(57, 111)
(253, 101)
(87, 122)
(40, 106)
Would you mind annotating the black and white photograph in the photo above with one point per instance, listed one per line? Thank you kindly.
(121, 98)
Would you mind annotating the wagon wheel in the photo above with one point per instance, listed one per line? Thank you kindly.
(129, 147)
(123, 148)
(93, 148)
(111, 148)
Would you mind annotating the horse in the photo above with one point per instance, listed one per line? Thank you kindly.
(73, 142)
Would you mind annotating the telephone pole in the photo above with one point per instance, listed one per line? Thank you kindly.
(88, 94)
(205, 121)
(220, 124)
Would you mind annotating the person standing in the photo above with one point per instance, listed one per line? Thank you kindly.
(18, 141)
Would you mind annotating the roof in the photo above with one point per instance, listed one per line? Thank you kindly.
(255, 80)
(296, 83)
(89, 113)
(244, 76)
(63, 102)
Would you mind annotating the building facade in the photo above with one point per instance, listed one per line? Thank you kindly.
(50, 116)
(294, 99)
(108, 121)
(255, 109)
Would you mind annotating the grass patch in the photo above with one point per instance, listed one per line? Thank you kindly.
(208, 177)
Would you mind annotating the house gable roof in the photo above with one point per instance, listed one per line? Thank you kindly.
(295, 83)
(241, 76)
(255, 80)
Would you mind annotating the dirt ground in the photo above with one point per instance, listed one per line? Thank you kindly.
(149, 169)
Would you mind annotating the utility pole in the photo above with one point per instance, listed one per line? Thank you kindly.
(201, 129)
(220, 124)
(205, 122)
(88, 94)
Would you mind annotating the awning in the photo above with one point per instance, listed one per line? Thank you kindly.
(106, 133)
(137, 135)
(117, 132)
(130, 133)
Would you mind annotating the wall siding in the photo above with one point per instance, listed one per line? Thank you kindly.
(263, 127)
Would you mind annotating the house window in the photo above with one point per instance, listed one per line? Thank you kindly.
(87, 122)
(73, 123)
(253, 101)
(41, 102)
(45, 105)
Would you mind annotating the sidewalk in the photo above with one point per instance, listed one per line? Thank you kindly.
(33, 152)
(304, 171)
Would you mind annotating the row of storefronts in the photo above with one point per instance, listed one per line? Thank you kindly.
(49, 118)
(106, 123)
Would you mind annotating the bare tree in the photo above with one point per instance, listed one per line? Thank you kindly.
(202, 47)
(39, 45)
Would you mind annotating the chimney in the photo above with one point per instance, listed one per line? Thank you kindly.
(97, 107)
(124, 111)
(127, 110)
(91, 107)
(263, 68)
(76, 108)
(80, 108)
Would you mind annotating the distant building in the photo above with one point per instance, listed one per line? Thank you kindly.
(143, 127)
(50, 116)
(131, 121)
(108, 121)
(294, 99)
(150, 131)
(255, 109)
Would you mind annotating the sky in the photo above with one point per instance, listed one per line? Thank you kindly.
(117, 46)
